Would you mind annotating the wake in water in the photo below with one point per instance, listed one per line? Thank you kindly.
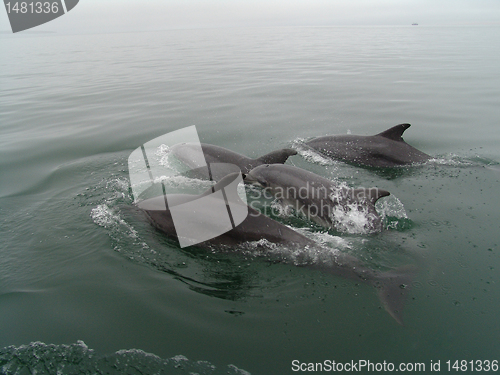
(41, 358)
(296, 255)
(122, 233)
(454, 160)
(223, 272)
(126, 238)
(218, 275)
(447, 160)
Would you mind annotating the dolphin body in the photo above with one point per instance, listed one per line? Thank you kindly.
(189, 154)
(383, 150)
(316, 197)
(392, 286)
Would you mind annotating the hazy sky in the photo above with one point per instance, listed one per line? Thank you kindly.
(135, 15)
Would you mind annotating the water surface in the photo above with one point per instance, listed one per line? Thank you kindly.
(86, 277)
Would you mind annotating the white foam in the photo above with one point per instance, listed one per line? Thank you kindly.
(353, 218)
(317, 255)
(179, 181)
(325, 238)
(118, 187)
(103, 216)
(328, 249)
(179, 358)
(451, 160)
(391, 206)
(37, 357)
(392, 211)
(348, 216)
(163, 152)
(117, 183)
(310, 154)
(237, 370)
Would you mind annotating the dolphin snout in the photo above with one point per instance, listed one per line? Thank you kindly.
(251, 179)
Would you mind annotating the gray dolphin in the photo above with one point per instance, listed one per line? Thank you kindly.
(392, 286)
(318, 198)
(188, 153)
(383, 150)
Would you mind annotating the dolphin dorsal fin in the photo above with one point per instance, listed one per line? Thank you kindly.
(371, 194)
(277, 157)
(221, 184)
(395, 133)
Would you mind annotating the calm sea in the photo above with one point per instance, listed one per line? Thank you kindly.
(86, 285)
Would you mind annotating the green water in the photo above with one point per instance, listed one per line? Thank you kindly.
(77, 264)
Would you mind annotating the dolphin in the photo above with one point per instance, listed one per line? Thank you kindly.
(189, 154)
(318, 198)
(383, 150)
(392, 286)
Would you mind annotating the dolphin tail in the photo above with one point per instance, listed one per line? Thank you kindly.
(277, 157)
(393, 288)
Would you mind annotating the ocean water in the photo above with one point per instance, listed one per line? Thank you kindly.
(88, 285)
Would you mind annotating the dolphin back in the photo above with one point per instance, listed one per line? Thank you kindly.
(277, 157)
(383, 150)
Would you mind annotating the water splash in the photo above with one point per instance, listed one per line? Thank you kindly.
(163, 153)
(354, 218)
(345, 215)
(326, 239)
(122, 233)
(451, 160)
(111, 194)
(77, 358)
(310, 154)
(104, 217)
(183, 182)
(454, 160)
(290, 254)
(393, 213)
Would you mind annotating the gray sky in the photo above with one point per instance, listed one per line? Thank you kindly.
(139, 15)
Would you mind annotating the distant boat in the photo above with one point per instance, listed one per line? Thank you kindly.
(414, 24)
